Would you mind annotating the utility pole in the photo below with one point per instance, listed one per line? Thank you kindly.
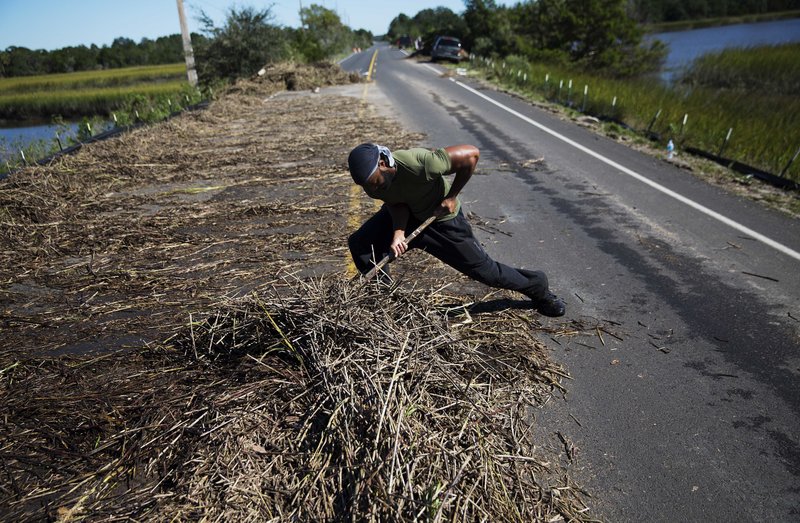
(188, 53)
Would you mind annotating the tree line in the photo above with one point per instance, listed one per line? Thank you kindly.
(596, 34)
(601, 35)
(123, 52)
(246, 41)
(655, 11)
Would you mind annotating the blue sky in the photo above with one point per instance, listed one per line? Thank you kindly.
(52, 24)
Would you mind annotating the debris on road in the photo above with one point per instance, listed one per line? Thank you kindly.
(179, 338)
(336, 400)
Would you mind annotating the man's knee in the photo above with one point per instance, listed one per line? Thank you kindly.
(353, 241)
(359, 242)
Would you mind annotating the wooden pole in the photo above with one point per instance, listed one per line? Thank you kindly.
(188, 52)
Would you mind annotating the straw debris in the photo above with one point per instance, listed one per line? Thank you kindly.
(336, 403)
(117, 241)
(179, 339)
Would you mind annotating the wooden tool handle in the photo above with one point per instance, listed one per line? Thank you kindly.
(386, 259)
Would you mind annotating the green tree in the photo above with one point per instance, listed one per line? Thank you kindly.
(126, 52)
(399, 26)
(598, 34)
(21, 61)
(486, 22)
(428, 24)
(325, 34)
(246, 42)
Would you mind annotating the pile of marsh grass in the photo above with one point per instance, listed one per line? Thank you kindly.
(113, 245)
(290, 76)
(337, 402)
(298, 77)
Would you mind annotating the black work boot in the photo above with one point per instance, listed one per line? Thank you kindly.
(544, 301)
(550, 305)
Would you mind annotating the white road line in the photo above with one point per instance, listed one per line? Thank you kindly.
(669, 192)
(432, 68)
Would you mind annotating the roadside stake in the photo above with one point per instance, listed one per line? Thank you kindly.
(725, 142)
(783, 172)
(669, 192)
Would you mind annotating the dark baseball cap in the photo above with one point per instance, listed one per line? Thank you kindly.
(363, 161)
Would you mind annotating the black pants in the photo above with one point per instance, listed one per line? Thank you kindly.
(450, 241)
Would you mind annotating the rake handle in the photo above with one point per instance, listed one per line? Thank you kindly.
(386, 259)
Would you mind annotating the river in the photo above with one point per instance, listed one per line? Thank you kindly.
(685, 46)
(22, 135)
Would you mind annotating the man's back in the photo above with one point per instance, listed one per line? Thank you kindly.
(420, 182)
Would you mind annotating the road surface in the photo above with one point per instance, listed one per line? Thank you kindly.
(685, 395)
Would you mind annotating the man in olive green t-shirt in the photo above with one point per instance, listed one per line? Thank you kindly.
(413, 187)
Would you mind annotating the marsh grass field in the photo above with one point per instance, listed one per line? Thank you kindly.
(88, 93)
(751, 93)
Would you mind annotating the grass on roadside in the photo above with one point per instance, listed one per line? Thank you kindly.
(763, 128)
(773, 69)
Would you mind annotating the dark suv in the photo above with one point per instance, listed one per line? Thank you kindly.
(446, 48)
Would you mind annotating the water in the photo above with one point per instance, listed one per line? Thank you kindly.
(685, 46)
(22, 135)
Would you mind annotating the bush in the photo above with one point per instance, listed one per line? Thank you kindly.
(242, 46)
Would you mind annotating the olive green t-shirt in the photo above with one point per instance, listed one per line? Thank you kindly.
(420, 182)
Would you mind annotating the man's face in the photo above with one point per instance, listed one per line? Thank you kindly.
(380, 180)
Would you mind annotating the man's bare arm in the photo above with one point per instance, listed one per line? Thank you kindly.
(463, 160)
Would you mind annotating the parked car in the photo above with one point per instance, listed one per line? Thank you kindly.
(404, 41)
(447, 48)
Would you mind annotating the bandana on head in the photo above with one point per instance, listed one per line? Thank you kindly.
(388, 154)
(364, 159)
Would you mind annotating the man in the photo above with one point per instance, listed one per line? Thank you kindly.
(412, 185)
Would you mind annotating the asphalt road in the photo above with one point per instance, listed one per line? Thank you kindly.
(685, 395)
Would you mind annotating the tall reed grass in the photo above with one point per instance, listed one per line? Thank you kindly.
(104, 78)
(773, 69)
(765, 130)
(85, 93)
(71, 103)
